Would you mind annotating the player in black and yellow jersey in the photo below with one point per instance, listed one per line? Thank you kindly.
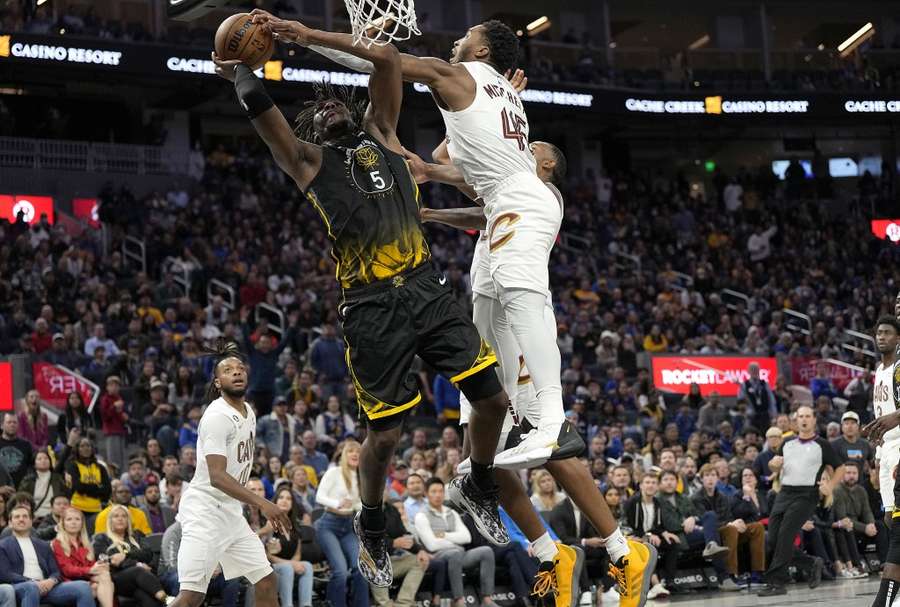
(396, 306)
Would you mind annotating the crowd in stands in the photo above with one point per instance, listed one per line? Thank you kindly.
(104, 480)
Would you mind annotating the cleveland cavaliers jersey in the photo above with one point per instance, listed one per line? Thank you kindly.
(369, 203)
(223, 431)
(885, 396)
(488, 141)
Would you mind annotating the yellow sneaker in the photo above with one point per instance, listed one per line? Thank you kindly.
(632, 573)
(554, 582)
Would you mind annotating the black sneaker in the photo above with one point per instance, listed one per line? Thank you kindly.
(772, 590)
(482, 507)
(815, 573)
(374, 560)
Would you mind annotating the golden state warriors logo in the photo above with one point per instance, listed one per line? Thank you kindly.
(366, 157)
(369, 169)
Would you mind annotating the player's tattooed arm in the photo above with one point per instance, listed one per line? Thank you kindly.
(227, 484)
(385, 85)
(468, 218)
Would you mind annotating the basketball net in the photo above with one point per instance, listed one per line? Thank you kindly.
(382, 21)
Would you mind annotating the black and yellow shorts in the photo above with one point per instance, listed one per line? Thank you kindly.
(386, 324)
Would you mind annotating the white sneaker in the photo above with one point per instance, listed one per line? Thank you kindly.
(542, 444)
(658, 591)
(586, 598)
(610, 597)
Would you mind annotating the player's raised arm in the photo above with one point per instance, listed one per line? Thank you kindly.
(298, 159)
(424, 172)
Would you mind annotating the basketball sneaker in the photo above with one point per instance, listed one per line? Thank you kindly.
(374, 559)
(632, 573)
(541, 445)
(482, 506)
(556, 583)
(512, 439)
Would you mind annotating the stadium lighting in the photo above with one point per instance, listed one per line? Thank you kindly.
(858, 37)
(40, 2)
(699, 42)
(538, 25)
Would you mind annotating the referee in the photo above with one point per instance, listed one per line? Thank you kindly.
(801, 459)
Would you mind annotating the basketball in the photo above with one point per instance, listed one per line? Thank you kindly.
(239, 38)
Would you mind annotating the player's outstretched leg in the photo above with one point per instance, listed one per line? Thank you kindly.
(525, 325)
(631, 562)
(374, 458)
(476, 492)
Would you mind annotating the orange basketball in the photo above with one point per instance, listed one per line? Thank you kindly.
(239, 38)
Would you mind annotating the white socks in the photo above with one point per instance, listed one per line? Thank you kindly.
(616, 545)
(544, 548)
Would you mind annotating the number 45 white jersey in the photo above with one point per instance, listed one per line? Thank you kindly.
(488, 141)
(222, 431)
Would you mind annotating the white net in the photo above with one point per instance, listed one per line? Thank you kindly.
(382, 21)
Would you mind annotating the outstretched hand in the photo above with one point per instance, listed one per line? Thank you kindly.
(225, 67)
(517, 79)
(417, 166)
(281, 29)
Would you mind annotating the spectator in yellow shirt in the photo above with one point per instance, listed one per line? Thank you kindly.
(122, 495)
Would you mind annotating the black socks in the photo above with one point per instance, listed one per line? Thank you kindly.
(372, 519)
(481, 476)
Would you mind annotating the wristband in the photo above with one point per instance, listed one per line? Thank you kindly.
(250, 91)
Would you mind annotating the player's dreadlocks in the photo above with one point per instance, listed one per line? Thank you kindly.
(324, 92)
(504, 45)
(224, 348)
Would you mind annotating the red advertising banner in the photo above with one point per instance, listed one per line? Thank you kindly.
(6, 387)
(85, 209)
(33, 207)
(722, 374)
(886, 229)
(804, 369)
(55, 383)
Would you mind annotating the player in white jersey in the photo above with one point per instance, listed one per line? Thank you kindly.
(214, 531)
(491, 321)
(884, 402)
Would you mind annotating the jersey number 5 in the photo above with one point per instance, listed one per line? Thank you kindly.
(514, 128)
(377, 180)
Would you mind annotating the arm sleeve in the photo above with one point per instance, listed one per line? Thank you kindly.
(461, 536)
(251, 92)
(214, 434)
(325, 491)
(427, 537)
(345, 59)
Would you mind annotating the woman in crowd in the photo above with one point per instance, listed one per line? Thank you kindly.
(446, 469)
(33, 424)
(274, 472)
(338, 493)
(614, 501)
(304, 419)
(545, 495)
(655, 445)
(129, 562)
(333, 425)
(416, 461)
(91, 486)
(182, 392)
(818, 534)
(74, 416)
(303, 491)
(750, 504)
(42, 484)
(693, 398)
(75, 556)
(284, 554)
(153, 456)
